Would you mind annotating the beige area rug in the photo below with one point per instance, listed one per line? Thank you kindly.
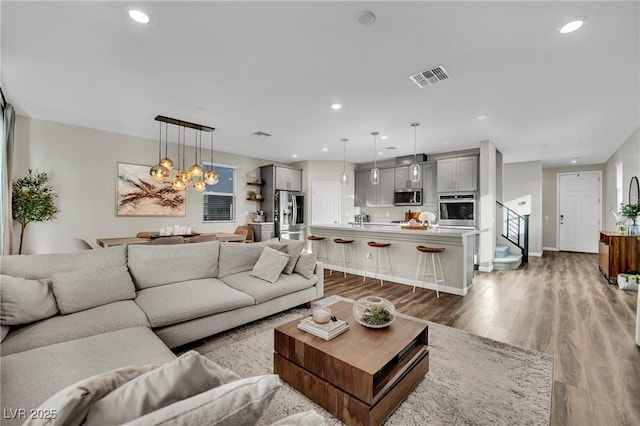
(472, 380)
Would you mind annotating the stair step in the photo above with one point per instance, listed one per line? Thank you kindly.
(501, 251)
(511, 261)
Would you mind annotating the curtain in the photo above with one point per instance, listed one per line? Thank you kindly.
(6, 158)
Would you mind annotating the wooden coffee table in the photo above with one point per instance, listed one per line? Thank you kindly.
(360, 376)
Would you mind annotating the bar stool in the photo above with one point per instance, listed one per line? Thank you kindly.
(316, 245)
(435, 252)
(347, 258)
(377, 266)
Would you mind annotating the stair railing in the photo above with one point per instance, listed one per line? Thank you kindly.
(516, 230)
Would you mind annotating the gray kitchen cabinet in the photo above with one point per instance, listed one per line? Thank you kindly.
(458, 174)
(288, 179)
(369, 195)
(403, 179)
(361, 180)
(263, 231)
(387, 185)
(430, 183)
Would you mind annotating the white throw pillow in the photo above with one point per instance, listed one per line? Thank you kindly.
(306, 265)
(188, 375)
(270, 265)
(241, 402)
(24, 301)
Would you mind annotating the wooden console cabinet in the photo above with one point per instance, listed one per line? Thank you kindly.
(617, 254)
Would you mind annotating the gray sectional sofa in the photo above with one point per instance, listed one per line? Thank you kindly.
(99, 310)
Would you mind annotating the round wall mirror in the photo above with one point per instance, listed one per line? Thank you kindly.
(634, 191)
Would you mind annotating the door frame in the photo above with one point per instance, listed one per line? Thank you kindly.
(314, 186)
(557, 222)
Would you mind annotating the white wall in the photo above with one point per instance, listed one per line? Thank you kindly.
(523, 182)
(82, 165)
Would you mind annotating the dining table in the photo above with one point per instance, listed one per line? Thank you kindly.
(118, 241)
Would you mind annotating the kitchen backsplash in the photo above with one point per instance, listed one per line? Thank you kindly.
(387, 214)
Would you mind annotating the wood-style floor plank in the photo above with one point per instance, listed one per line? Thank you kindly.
(558, 304)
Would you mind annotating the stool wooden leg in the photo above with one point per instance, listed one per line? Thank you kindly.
(418, 270)
(344, 262)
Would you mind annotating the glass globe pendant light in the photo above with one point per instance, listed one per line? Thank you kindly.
(199, 185)
(177, 183)
(183, 173)
(344, 178)
(159, 172)
(375, 172)
(166, 161)
(211, 177)
(415, 169)
(196, 169)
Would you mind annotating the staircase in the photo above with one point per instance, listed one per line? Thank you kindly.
(516, 231)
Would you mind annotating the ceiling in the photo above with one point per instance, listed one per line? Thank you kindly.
(276, 67)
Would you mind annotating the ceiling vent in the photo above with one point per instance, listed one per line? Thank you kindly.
(430, 76)
(259, 133)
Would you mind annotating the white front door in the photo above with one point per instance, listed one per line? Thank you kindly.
(579, 211)
(325, 203)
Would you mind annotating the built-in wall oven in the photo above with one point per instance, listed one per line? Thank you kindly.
(457, 209)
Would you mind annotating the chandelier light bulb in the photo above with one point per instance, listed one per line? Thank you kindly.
(166, 163)
(177, 184)
(375, 172)
(195, 170)
(199, 185)
(159, 173)
(415, 169)
(211, 177)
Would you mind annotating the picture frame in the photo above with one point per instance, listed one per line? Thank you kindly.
(139, 194)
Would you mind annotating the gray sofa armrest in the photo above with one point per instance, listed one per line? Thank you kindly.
(320, 284)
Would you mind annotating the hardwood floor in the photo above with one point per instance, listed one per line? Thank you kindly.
(558, 304)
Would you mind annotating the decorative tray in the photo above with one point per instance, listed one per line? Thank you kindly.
(419, 227)
(177, 235)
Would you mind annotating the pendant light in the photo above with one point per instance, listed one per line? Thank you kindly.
(211, 177)
(196, 169)
(159, 172)
(344, 178)
(183, 173)
(199, 185)
(177, 183)
(166, 161)
(415, 169)
(375, 172)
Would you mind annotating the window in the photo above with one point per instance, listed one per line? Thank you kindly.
(219, 199)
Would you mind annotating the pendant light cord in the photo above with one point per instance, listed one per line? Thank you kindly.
(160, 145)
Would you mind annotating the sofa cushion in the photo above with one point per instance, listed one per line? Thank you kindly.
(36, 266)
(24, 301)
(31, 377)
(240, 402)
(79, 290)
(182, 378)
(183, 301)
(262, 291)
(69, 406)
(62, 328)
(4, 330)
(270, 265)
(293, 249)
(236, 257)
(306, 265)
(156, 265)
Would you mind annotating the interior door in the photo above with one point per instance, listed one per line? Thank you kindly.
(579, 211)
(325, 203)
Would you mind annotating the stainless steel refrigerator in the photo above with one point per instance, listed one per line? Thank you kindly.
(288, 215)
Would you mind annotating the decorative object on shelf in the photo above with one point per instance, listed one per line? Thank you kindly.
(253, 196)
(375, 172)
(211, 177)
(344, 178)
(32, 200)
(160, 172)
(415, 169)
(374, 312)
(138, 194)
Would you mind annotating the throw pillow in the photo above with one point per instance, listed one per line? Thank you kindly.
(23, 301)
(72, 403)
(4, 330)
(294, 250)
(188, 375)
(270, 265)
(306, 418)
(237, 403)
(306, 265)
(79, 290)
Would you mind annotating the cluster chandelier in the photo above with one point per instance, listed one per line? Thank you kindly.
(182, 178)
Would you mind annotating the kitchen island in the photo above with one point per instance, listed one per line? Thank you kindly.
(457, 259)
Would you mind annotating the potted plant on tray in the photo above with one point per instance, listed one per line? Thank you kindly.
(631, 211)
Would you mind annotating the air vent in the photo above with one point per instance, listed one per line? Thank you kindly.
(259, 133)
(390, 148)
(429, 77)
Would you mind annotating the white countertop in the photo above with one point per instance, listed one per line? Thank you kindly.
(396, 229)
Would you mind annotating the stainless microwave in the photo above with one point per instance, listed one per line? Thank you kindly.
(407, 197)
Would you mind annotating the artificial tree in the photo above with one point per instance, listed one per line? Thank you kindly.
(32, 200)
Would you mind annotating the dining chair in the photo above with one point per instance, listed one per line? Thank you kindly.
(81, 244)
(168, 240)
(247, 231)
(146, 234)
(202, 238)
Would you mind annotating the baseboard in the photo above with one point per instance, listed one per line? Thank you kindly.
(549, 249)
(488, 268)
(535, 254)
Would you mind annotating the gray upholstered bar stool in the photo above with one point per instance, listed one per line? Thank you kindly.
(316, 245)
(348, 256)
(378, 261)
(435, 253)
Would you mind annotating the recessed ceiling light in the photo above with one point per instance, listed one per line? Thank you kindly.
(325, 149)
(384, 137)
(294, 155)
(571, 26)
(336, 106)
(481, 117)
(139, 16)
(380, 153)
(574, 160)
(445, 142)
